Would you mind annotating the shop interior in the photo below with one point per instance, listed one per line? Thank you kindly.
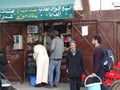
(36, 32)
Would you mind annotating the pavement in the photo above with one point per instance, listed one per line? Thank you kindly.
(27, 86)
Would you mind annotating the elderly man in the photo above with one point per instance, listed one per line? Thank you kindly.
(74, 65)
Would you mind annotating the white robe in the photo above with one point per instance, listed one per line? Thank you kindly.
(42, 63)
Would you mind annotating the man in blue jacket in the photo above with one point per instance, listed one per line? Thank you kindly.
(74, 65)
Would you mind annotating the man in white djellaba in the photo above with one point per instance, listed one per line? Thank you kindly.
(42, 63)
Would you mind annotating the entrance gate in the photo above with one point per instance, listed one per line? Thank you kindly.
(104, 29)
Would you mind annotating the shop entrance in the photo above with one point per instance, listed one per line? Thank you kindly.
(36, 32)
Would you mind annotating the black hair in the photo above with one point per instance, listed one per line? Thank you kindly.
(37, 42)
(45, 30)
(55, 32)
(98, 38)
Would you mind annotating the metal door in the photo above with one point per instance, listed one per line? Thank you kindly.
(118, 41)
(84, 42)
(104, 29)
(15, 57)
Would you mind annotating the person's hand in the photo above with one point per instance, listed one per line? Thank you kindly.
(9, 61)
(93, 75)
(67, 70)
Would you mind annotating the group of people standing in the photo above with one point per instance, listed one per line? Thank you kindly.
(74, 62)
(46, 64)
(49, 59)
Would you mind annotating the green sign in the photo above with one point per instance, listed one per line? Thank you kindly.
(37, 13)
(25, 10)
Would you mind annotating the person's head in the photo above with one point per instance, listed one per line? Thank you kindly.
(96, 40)
(72, 44)
(37, 42)
(54, 34)
(45, 32)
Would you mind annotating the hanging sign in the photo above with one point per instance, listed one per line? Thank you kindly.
(23, 10)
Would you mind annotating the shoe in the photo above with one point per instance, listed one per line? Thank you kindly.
(38, 85)
(44, 84)
(55, 86)
(48, 86)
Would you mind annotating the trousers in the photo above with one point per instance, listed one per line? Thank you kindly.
(75, 83)
(54, 65)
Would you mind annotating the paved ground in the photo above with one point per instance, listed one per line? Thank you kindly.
(26, 86)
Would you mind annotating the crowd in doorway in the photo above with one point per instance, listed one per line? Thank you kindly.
(48, 56)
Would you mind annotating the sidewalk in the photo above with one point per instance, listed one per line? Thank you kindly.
(26, 86)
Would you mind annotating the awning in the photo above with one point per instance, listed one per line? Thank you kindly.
(25, 10)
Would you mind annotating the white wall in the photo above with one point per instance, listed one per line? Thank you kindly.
(104, 4)
(78, 5)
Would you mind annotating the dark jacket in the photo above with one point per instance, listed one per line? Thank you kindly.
(98, 55)
(74, 63)
(3, 63)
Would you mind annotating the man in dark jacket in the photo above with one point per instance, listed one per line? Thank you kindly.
(98, 55)
(74, 65)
